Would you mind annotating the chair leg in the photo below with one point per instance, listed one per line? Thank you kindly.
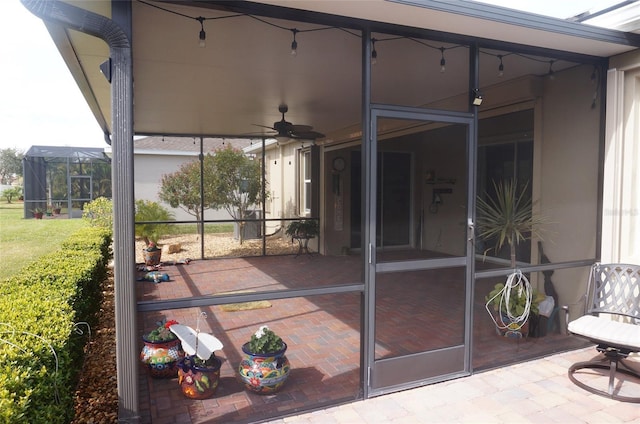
(612, 374)
(614, 366)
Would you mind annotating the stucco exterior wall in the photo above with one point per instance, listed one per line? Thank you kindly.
(282, 169)
(148, 172)
(567, 141)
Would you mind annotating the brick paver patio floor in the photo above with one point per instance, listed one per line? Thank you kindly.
(323, 332)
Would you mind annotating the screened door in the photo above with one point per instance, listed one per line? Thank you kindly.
(421, 254)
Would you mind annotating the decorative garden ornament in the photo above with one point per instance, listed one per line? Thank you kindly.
(199, 371)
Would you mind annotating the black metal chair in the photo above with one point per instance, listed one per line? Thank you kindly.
(612, 322)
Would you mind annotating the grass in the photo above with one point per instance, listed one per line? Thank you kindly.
(24, 240)
(180, 229)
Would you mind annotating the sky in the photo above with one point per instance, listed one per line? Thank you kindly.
(42, 105)
(40, 102)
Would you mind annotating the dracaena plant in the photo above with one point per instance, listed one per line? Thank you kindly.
(507, 217)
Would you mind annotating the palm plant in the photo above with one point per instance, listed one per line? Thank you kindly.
(148, 211)
(507, 217)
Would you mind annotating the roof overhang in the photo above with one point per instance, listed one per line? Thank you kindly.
(476, 20)
(230, 90)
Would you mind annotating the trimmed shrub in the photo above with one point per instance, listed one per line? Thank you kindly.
(40, 353)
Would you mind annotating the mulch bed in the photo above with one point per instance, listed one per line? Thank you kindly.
(96, 398)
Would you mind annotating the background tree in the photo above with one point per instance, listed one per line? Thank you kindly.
(10, 163)
(11, 193)
(236, 184)
(182, 188)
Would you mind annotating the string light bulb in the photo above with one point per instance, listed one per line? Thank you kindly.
(202, 35)
(500, 67)
(443, 62)
(294, 43)
(374, 53)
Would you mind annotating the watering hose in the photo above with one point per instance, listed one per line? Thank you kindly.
(519, 283)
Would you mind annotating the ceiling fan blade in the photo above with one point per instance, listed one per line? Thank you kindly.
(264, 126)
(307, 135)
(300, 128)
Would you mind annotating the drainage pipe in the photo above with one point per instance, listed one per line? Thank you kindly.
(120, 70)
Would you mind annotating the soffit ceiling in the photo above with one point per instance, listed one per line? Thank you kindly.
(235, 84)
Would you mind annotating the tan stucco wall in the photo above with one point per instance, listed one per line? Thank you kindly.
(148, 172)
(567, 143)
(282, 170)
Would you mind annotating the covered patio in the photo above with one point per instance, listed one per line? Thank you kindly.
(400, 115)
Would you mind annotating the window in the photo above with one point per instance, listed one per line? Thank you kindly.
(305, 183)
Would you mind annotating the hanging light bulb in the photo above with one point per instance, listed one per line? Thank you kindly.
(203, 35)
(374, 53)
(294, 43)
(442, 61)
(500, 67)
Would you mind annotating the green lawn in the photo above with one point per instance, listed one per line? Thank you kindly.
(25, 240)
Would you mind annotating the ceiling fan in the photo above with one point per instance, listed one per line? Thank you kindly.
(286, 129)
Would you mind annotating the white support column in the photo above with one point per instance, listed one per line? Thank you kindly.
(621, 195)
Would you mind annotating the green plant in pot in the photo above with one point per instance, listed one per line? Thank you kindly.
(506, 218)
(147, 213)
(507, 306)
(304, 228)
(302, 231)
(162, 350)
(37, 212)
(264, 367)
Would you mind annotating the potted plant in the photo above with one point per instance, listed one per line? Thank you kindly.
(57, 208)
(37, 213)
(152, 254)
(509, 310)
(147, 213)
(304, 228)
(199, 370)
(162, 350)
(302, 231)
(507, 218)
(264, 368)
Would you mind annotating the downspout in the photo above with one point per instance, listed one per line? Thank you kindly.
(101, 27)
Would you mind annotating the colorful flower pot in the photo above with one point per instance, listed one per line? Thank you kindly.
(198, 382)
(264, 373)
(509, 329)
(161, 357)
(152, 257)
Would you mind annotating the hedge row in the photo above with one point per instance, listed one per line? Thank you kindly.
(39, 308)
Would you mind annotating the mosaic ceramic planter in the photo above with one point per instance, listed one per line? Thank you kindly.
(152, 257)
(264, 373)
(161, 357)
(198, 382)
(510, 329)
